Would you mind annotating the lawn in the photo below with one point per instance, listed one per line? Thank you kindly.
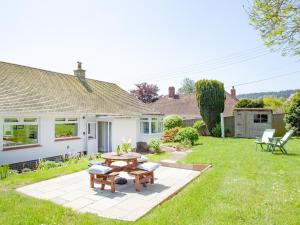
(244, 186)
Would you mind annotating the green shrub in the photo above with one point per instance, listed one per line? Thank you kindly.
(13, 173)
(292, 116)
(186, 143)
(169, 135)
(154, 145)
(126, 146)
(187, 133)
(172, 121)
(26, 170)
(4, 171)
(198, 124)
(45, 165)
(217, 130)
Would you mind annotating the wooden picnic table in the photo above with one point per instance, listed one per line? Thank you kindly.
(131, 159)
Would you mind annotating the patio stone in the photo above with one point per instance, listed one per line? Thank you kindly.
(74, 191)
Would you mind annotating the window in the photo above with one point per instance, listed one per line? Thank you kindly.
(92, 130)
(260, 118)
(20, 132)
(66, 127)
(151, 125)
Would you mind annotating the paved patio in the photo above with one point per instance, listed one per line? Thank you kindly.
(125, 204)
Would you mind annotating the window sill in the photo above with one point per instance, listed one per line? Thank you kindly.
(151, 134)
(20, 147)
(66, 139)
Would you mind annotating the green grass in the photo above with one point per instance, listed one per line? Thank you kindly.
(159, 156)
(244, 186)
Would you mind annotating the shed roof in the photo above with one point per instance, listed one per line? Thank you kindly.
(252, 109)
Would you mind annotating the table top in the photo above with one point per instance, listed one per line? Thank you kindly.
(125, 156)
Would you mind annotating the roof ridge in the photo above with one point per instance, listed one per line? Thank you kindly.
(51, 71)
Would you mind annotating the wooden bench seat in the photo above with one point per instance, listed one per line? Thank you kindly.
(104, 179)
(142, 177)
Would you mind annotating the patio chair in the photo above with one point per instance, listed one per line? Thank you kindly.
(264, 140)
(144, 174)
(279, 143)
(103, 175)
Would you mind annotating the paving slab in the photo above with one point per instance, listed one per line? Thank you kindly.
(73, 191)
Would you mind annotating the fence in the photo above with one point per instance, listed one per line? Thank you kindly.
(278, 124)
(189, 122)
(229, 126)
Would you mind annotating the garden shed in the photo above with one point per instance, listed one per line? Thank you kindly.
(251, 122)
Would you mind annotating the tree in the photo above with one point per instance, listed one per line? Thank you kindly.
(278, 22)
(276, 104)
(210, 99)
(147, 93)
(250, 103)
(292, 116)
(187, 86)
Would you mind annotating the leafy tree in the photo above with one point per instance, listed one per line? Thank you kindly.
(145, 92)
(276, 104)
(292, 116)
(278, 22)
(210, 99)
(250, 103)
(172, 121)
(187, 86)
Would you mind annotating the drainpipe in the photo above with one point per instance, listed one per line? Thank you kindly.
(86, 135)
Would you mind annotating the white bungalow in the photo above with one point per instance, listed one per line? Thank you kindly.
(46, 114)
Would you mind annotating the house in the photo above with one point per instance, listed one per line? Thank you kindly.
(252, 122)
(45, 114)
(186, 105)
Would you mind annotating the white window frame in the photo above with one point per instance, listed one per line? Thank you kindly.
(88, 133)
(21, 122)
(149, 121)
(66, 120)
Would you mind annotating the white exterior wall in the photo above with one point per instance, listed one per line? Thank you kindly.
(49, 147)
(122, 128)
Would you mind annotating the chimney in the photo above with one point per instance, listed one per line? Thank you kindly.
(80, 73)
(233, 92)
(171, 92)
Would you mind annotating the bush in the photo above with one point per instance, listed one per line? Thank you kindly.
(45, 165)
(4, 171)
(169, 135)
(217, 130)
(13, 173)
(198, 124)
(26, 170)
(154, 145)
(187, 134)
(172, 121)
(292, 116)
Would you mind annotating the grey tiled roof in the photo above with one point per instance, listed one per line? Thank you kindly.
(29, 90)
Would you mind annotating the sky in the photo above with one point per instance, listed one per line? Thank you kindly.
(155, 41)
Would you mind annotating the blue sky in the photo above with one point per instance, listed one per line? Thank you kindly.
(130, 41)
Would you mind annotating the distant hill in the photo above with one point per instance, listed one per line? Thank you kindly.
(277, 94)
